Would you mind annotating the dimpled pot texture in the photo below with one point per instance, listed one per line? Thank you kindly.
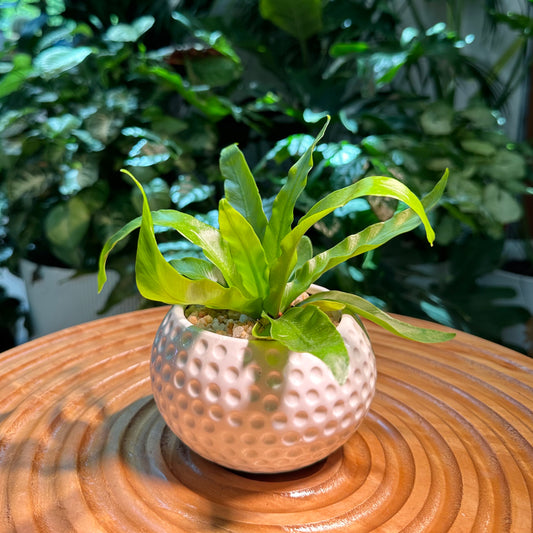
(253, 405)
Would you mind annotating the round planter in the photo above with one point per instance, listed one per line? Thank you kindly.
(253, 405)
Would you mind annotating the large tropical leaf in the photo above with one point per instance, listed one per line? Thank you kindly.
(197, 268)
(364, 241)
(241, 189)
(375, 185)
(66, 224)
(245, 248)
(283, 207)
(158, 280)
(194, 230)
(308, 329)
(361, 307)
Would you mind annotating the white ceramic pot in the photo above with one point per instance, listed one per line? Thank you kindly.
(253, 405)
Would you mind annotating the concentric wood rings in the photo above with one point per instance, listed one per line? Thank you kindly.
(447, 446)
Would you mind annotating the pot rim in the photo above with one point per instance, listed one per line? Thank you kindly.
(179, 309)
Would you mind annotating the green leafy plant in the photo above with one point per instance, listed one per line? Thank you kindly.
(78, 101)
(259, 265)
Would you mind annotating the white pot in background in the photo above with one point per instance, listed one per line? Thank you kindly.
(58, 299)
(516, 335)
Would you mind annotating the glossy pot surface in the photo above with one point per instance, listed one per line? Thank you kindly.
(253, 405)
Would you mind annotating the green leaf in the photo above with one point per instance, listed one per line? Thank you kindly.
(360, 306)
(245, 249)
(21, 71)
(368, 239)
(203, 235)
(475, 146)
(200, 234)
(196, 268)
(308, 329)
(54, 61)
(342, 49)
(501, 205)
(158, 280)
(241, 189)
(374, 185)
(304, 251)
(481, 117)
(437, 119)
(285, 201)
(299, 18)
(212, 106)
(124, 33)
(506, 165)
(67, 223)
(371, 186)
(195, 231)
(118, 236)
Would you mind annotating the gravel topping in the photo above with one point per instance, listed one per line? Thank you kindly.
(223, 322)
(229, 323)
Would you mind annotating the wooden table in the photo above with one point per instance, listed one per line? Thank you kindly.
(447, 445)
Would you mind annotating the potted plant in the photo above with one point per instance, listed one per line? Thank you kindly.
(297, 374)
(396, 83)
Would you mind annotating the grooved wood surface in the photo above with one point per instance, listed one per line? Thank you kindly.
(447, 445)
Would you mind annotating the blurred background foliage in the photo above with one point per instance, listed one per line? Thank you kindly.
(160, 87)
